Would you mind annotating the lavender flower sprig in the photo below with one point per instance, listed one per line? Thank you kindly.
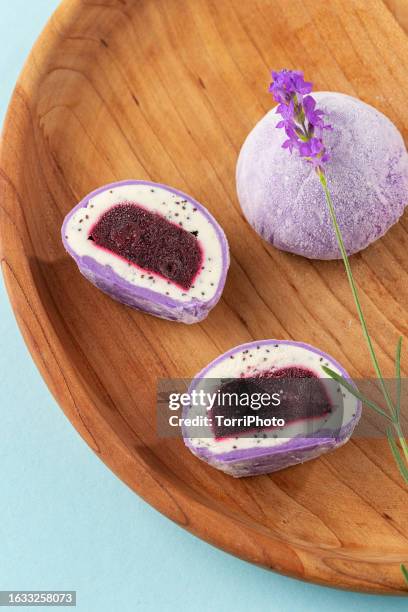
(303, 123)
(304, 127)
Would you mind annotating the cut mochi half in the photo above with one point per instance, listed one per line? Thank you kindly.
(242, 450)
(150, 247)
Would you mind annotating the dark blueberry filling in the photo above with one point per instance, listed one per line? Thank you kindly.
(304, 397)
(150, 241)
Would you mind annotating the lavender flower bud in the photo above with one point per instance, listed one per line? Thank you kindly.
(302, 121)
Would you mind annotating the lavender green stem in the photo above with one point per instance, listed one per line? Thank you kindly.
(394, 412)
(354, 291)
(402, 440)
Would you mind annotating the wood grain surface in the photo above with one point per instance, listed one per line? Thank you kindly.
(167, 90)
(399, 8)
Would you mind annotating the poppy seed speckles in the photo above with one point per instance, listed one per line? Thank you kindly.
(134, 222)
(241, 449)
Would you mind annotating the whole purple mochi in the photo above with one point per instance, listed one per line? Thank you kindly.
(367, 174)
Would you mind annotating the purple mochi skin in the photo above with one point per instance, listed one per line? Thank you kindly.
(141, 298)
(256, 461)
(367, 175)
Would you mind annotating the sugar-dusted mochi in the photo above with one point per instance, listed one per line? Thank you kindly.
(282, 198)
(251, 452)
(150, 247)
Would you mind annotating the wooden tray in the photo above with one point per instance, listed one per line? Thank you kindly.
(167, 90)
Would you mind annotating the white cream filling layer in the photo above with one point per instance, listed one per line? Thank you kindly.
(175, 209)
(251, 362)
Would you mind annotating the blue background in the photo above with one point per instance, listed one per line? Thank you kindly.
(66, 522)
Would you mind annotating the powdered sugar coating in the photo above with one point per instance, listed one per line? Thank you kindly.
(367, 174)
